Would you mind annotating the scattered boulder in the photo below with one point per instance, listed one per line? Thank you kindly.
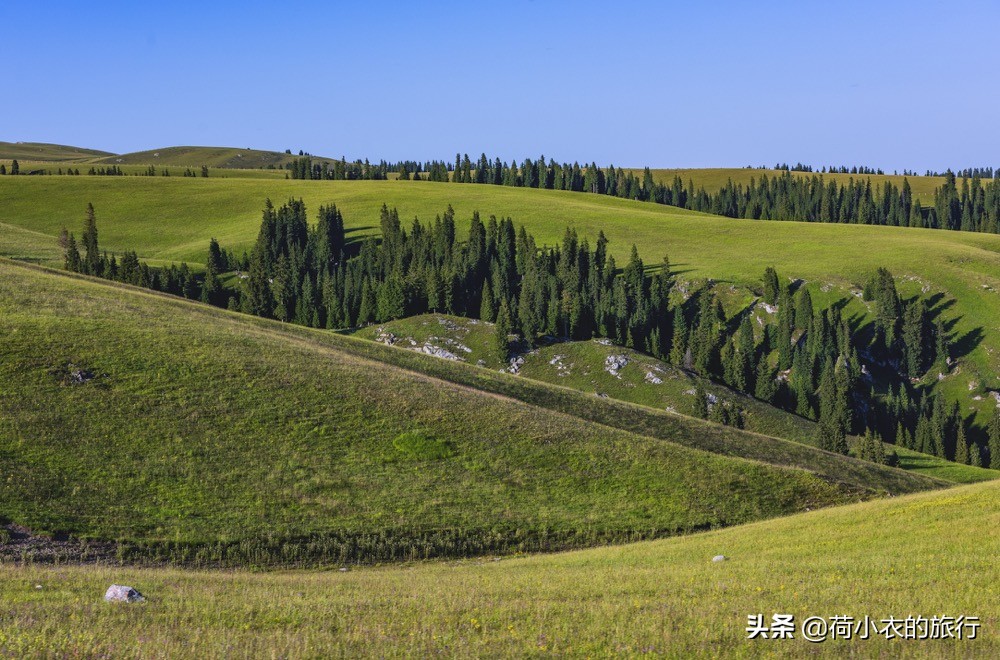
(720, 558)
(118, 593)
(437, 351)
(70, 374)
(653, 378)
(613, 364)
(515, 364)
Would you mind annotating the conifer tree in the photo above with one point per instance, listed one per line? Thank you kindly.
(92, 256)
(766, 385)
(994, 441)
(366, 312)
(283, 289)
(678, 343)
(72, 259)
(501, 333)
(189, 287)
(961, 444)
(745, 373)
(771, 286)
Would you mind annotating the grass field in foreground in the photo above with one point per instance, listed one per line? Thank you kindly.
(172, 219)
(922, 555)
(219, 437)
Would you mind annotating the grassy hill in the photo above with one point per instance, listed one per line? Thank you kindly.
(172, 219)
(919, 555)
(221, 157)
(195, 434)
(596, 367)
(41, 151)
(715, 178)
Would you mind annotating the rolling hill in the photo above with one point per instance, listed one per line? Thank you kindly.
(715, 178)
(601, 368)
(220, 157)
(197, 435)
(41, 151)
(920, 555)
(171, 219)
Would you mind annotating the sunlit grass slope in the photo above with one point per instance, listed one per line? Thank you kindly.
(920, 555)
(222, 157)
(172, 219)
(220, 437)
(715, 178)
(41, 151)
(644, 380)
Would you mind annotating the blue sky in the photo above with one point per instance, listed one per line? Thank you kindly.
(695, 84)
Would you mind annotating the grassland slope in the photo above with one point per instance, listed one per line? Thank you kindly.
(221, 157)
(172, 218)
(919, 555)
(713, 179)
(195, 434)
(600, 368)
(41, 151)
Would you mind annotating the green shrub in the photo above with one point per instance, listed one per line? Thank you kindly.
(421, 446)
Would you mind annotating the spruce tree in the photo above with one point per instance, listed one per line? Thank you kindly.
(366, 312)
(766, 386)
(771, 286)
(501, 334)
(961, 444)
(745, 357)
(72, 257)
(283, 289)
(994, 441)
(975, 454)
(92, 256)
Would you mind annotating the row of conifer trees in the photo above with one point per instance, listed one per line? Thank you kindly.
(782, 350)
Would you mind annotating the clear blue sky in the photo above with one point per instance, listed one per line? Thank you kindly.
(900, 85)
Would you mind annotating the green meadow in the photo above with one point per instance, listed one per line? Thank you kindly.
(207, 437)
(52, 153)
(919, 555)
(583, 366)
(172, 442)
(713, 179)
(171, 219)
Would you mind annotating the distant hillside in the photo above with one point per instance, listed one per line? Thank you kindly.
(41, 151)
(224, 157)
(196, 434)
(714, 179)
(172, 219)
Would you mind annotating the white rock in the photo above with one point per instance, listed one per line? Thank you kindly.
(720, 558)
(615, 363)
(117, 593)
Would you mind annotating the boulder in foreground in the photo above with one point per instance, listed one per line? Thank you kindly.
(117, 593)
